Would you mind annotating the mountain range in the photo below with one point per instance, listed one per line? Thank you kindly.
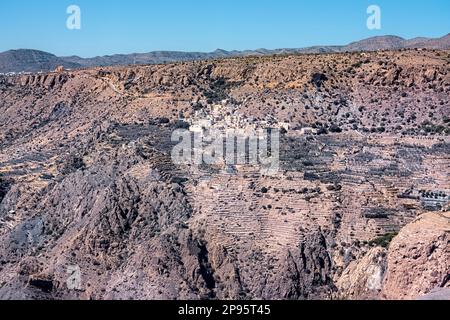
(27, 60)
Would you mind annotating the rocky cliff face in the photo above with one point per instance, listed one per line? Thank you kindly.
(92, 206)
(414, 266)
(419, 259)
(363, 278)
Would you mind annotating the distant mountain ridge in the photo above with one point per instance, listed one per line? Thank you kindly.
(26, 60)
(31, 61)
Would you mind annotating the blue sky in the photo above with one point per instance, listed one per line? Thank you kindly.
(119, 26)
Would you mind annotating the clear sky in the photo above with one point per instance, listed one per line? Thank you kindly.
(126, 26)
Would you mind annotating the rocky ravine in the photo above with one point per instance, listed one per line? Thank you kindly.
(88, 188)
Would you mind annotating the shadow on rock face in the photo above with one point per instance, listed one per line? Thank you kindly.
(4, 188)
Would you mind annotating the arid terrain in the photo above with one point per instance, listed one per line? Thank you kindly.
(26, 60)
(358, 210)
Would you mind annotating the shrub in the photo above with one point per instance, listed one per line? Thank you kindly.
(197, 107)
(163, 120)
(72, 163)
(335, 128)
(384, 240)
(180, 124)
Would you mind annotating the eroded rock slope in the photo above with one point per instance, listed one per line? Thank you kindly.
(92, 206)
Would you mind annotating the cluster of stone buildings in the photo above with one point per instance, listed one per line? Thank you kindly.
(12, 74)
(434, 200)
(224, 116)
(430, 200)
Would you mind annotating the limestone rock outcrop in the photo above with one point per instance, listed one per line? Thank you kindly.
(419, 258)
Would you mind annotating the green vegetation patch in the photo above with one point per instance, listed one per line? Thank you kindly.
(384, 240)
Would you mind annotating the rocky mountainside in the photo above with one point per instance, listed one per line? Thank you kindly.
(378, 43)
(93, 207)
(441, 43)
(33, 60)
